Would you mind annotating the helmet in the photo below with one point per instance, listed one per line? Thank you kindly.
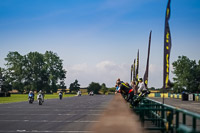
(140, 79)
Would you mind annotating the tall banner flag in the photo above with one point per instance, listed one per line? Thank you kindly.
(147, 66)
(167, 48)
(131, 72)
(134, 76)
(137, 68)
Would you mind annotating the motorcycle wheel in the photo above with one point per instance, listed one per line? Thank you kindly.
(40, 102)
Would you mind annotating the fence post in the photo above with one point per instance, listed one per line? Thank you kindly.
(194, 123)
(184, 121)
(162, 117)
(177, 120)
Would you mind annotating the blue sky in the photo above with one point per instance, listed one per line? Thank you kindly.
(98, 39)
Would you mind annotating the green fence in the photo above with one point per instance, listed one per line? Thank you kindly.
(167, 118)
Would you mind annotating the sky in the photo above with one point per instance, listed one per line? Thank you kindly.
(99, 39)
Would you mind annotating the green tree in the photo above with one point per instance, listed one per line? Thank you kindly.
(104, 89)
(112, 90)
(187, 75)
(95, 87)
(34, 71)
(4, 81)
(54, 69)
(152, 88)
(75, 86)
(15, 70)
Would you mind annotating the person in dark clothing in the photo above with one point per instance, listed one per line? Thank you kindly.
(125, 89)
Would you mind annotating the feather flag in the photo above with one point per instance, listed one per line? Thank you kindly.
(147, 66)
(167, 48)
(137, 68)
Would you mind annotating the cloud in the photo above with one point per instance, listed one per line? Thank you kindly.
(154, 68)
(106, 66)
(102, 72)
(108, 71)
(79, 67)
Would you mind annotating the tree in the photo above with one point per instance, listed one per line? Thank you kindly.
(75, 86)
(15, 71)
(34, 71)
(95, 87)
(112, 90)
(4, 82)
(104, 89)
(54, 69)
(187, 74)
(152, 88)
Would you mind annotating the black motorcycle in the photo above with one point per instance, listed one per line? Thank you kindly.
(136, 100)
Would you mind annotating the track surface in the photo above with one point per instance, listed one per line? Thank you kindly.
(72, 114)
(193, 106)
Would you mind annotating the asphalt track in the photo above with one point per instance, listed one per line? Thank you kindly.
(193, 106)
(69, 115)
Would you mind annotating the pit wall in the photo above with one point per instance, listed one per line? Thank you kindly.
(196, 97)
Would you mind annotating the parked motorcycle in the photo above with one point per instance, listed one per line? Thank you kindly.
(135, 101)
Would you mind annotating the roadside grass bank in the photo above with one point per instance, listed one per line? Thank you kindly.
(24, 97)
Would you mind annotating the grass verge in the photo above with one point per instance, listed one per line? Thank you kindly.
(24, 97)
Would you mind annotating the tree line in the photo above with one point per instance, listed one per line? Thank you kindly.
(33, 71)
(93, 86)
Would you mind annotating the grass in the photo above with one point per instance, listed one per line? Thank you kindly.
(24, 97)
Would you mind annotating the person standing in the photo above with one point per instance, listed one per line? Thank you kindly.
(142, 88)
(134, 87)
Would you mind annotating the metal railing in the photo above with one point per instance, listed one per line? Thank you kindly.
(167, 118)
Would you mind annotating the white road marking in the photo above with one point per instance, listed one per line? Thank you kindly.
(53, 110)
(50, 114)
(43, 131)
(80, 107)
(48, 121)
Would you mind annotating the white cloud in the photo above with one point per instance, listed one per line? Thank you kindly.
(154, 68)
(103, 72)
(79, 67)
(108, 71)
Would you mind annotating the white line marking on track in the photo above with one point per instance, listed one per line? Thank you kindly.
(40, 131)
(50, 114)
(48, 121)
(54, 110)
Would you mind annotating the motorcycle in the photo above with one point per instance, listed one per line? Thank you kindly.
(30, 99)
(40, 99)
(135, 101)
(60, 96)
(79, 93)
(91, 93)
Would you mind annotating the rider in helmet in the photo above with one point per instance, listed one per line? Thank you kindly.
(42, 93)
(125, 89)
(31, 94)
(142, 88)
